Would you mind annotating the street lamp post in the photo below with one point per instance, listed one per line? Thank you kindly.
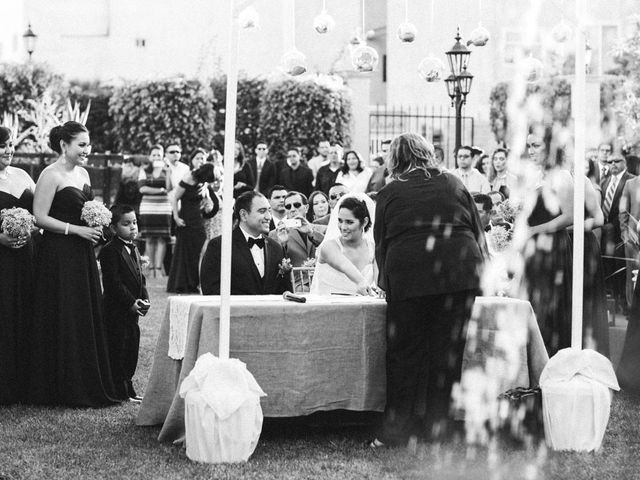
(29, 41)
(459, 82)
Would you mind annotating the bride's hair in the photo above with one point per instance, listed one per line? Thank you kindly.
(358, 208)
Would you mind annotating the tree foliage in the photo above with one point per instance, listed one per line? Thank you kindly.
(250, 92)
(99, 122)
(297, 113)
(22, 82)
(554, 95)
(162, 111)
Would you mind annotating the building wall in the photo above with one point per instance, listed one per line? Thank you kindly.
(12, 27)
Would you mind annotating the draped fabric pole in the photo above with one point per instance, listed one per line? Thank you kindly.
(579, 178)
(227, 199)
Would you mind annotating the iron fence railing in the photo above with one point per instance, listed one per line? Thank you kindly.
(436, 125)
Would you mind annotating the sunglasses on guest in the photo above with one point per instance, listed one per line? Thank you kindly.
(609, 162)
(289, 206)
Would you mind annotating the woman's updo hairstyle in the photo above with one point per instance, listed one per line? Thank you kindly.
(5, 134)
(358, 208)
(66, 133)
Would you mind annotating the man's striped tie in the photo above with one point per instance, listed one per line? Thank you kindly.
(608, 200)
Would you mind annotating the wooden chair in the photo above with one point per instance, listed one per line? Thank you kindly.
(301, 279)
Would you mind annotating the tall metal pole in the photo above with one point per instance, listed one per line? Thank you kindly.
(459, 103)
(579, 179)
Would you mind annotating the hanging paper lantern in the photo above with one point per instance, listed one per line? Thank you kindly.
(561, 32)
(407, 32)
(249, 18)
(324, 22)
(532, 68)
(479, 37)
(431, 69)
(364, 58)
(294, 62)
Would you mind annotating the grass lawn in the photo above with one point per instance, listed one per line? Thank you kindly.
(65, 443)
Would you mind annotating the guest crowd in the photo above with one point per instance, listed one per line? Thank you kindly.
(402, 225)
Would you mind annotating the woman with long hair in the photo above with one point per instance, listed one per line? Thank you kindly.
(67, 358)
(155, 209)
(193, 201)
(243, 176)
(548, 253)
(16, 288)
(318, 206)
(429, 248)
(354, 175)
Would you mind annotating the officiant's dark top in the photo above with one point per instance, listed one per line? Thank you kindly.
(429, 239)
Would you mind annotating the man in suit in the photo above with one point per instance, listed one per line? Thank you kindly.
(265, 170)
(612, 244)
(299, 243)
(125, 298)
(294, 175)
(255, 258)
(276, 200)
(628, 217)
(328, 173)
(602, 171)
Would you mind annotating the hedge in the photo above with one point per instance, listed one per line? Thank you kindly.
(21, 82)
(299, 113)
(163, 111)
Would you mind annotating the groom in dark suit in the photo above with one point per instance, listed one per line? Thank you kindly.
(255, 258)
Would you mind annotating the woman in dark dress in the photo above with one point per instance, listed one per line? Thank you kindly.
(243, 175)
(16, 260)
(67, 357)
(194, 200)
(549, 255)
(429, 248)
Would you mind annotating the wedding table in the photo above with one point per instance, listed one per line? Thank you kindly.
(325, 354)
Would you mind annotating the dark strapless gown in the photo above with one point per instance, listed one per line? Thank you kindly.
(16, 296)
(628, 371)
(68, 362)
(549, 277)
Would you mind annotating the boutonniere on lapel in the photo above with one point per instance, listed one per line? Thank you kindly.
(284, 267)
(144, 261)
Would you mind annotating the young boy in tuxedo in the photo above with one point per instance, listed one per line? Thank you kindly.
(125, 298)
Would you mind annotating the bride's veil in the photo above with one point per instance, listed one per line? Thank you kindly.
(333, 229)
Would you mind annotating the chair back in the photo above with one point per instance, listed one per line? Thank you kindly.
(301, 279)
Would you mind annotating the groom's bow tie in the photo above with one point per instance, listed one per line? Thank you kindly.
(255, 241)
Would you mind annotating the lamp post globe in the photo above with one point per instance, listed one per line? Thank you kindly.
(30, 39)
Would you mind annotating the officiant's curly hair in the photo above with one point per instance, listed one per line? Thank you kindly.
(410, 151)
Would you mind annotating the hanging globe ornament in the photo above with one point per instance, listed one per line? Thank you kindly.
(562, 32)
(364, 58)
(249, 18)
(407, 32)
(479, 36)
(323, 22)
(294, 62)
(431, 69)
(532, 69)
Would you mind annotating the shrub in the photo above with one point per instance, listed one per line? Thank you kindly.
(20, 82)
(250, 92)
(555, 96)
(162, 111)
(301, 112)
(100, 123)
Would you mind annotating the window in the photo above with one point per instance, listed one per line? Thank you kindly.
(141, 42)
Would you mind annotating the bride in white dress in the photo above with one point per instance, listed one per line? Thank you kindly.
(346, 258)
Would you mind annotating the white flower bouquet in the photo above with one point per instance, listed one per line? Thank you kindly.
(95, 214)
(17, 222)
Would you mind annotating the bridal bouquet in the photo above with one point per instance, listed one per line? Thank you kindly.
(508, 211)
(17, 222)
(95, 214)
(499, 238)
